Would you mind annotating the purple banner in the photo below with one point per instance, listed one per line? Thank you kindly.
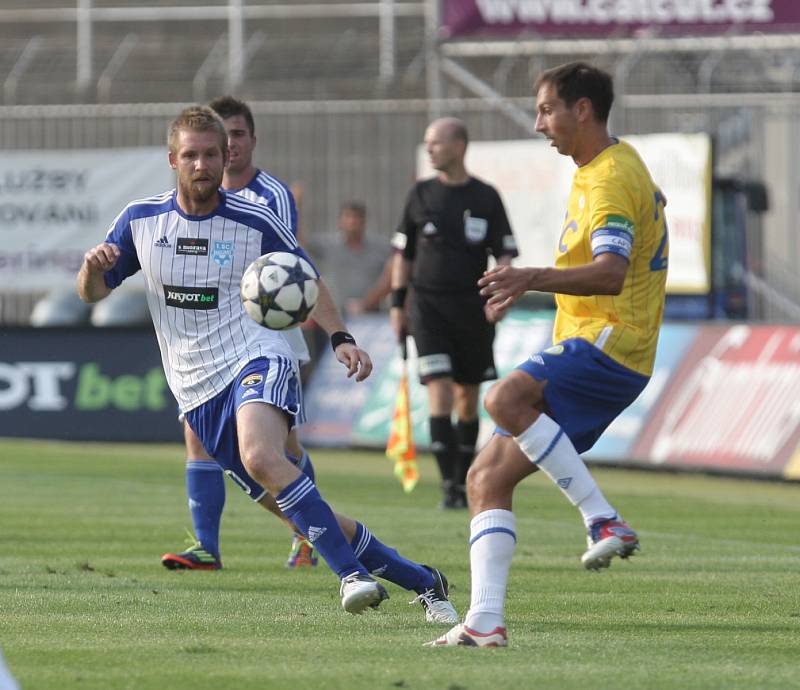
(594, 18)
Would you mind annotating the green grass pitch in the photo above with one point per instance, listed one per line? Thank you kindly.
(712, 601)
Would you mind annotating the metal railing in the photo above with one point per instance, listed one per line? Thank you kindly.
(340, 150)
(85, 21)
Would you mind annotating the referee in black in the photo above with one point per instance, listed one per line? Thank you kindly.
(450, 225)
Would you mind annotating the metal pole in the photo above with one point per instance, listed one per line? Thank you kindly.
(433, 68)
(235, 45)
(106, 78)
(480, 88)
(84, 49)
(25, 58)
(211, 65)
(387, 40)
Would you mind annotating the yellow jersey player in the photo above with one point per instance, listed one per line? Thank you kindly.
(609, 279)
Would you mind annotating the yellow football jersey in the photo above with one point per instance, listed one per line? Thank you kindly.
(614, 206)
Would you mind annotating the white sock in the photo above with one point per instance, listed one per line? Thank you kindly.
(492, 538)
(549, 448)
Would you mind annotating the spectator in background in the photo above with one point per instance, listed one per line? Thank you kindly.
(356, 266)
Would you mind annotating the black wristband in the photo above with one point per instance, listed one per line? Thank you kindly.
(341, 337)
(399, 297)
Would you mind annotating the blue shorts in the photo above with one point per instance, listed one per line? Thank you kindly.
(272, 380)
(299, 419)
(586, 390)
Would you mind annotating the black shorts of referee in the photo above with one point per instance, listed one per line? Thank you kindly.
(453, 337)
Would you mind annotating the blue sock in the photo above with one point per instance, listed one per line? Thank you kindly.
(205, 488)
(302, 504)
(303, 464)
(385, 562)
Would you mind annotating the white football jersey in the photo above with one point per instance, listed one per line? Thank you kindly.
(270, 191)
(192, 267)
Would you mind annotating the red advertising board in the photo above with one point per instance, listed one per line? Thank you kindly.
(597, 18)
(733, 404)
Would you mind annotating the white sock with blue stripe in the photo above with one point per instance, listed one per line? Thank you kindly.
(492, 539)
(549, 448)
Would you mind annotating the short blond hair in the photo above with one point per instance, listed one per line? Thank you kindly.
(196, 118)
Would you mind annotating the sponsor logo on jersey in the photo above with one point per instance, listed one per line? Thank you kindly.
(163, 243)
(429, 229)
(191, 297)
(223, 252)
(252, 380)
(249, 393)
(620, 223)
(193, 246)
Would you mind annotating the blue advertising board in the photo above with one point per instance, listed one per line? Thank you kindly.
(84, 385)
(342, 413)
(616, 443)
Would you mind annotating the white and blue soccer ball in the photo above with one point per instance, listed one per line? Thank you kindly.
(279, 290)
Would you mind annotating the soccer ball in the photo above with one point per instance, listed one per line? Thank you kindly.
(279, 290)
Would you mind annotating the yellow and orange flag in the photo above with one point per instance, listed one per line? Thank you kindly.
(400, 446)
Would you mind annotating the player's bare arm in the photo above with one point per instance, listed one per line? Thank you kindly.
(91, 286)
(378, 290)
(504, 285)
(329, 318)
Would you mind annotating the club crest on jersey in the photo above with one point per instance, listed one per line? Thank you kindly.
(223, 252)
(252, 380)
(555, 350)
(475, 229)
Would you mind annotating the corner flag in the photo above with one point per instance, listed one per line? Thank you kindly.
(400, 446)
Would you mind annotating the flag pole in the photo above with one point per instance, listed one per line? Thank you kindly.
(400, 446)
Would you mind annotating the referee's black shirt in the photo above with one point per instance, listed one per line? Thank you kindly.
(448, 232)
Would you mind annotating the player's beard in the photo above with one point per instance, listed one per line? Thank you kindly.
(201, 191)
